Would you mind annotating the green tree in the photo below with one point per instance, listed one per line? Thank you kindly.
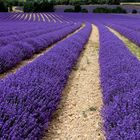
(3, 7)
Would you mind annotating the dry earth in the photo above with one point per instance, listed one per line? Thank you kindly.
(78, 115)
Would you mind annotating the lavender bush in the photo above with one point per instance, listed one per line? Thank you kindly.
(120, 81)
(33, 17)
(129, 33)
(27, 31)
(18, 36)
(30, 96)
(13, 53)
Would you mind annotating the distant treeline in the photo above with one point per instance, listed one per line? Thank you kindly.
(48, 5)
(85, 2)
(73, 2)
(92, 1)
(65, 2)
(130, 0)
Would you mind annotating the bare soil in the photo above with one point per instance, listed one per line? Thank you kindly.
(78, 116)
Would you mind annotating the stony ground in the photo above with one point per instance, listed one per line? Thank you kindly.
(78, 116)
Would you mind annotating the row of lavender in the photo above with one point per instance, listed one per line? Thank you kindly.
(129, 33)
(21, 34)
(125, 25)
(29, 97)
(34, 17)
(20, 44)
(130, 22)
(19, 28)
(120, 81)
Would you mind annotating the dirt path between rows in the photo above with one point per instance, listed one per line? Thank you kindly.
(35, 56)
(131, 46)
(78, 116)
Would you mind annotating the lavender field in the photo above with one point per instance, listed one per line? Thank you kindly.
(68, 76)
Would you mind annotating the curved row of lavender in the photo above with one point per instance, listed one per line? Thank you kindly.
(15, 36)
(133, 25)
(120, 81)
(125, 25)
(125, 21)
(28, 29)
(19, 25)
(13, 53)
(132, 35)
(30, 96)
